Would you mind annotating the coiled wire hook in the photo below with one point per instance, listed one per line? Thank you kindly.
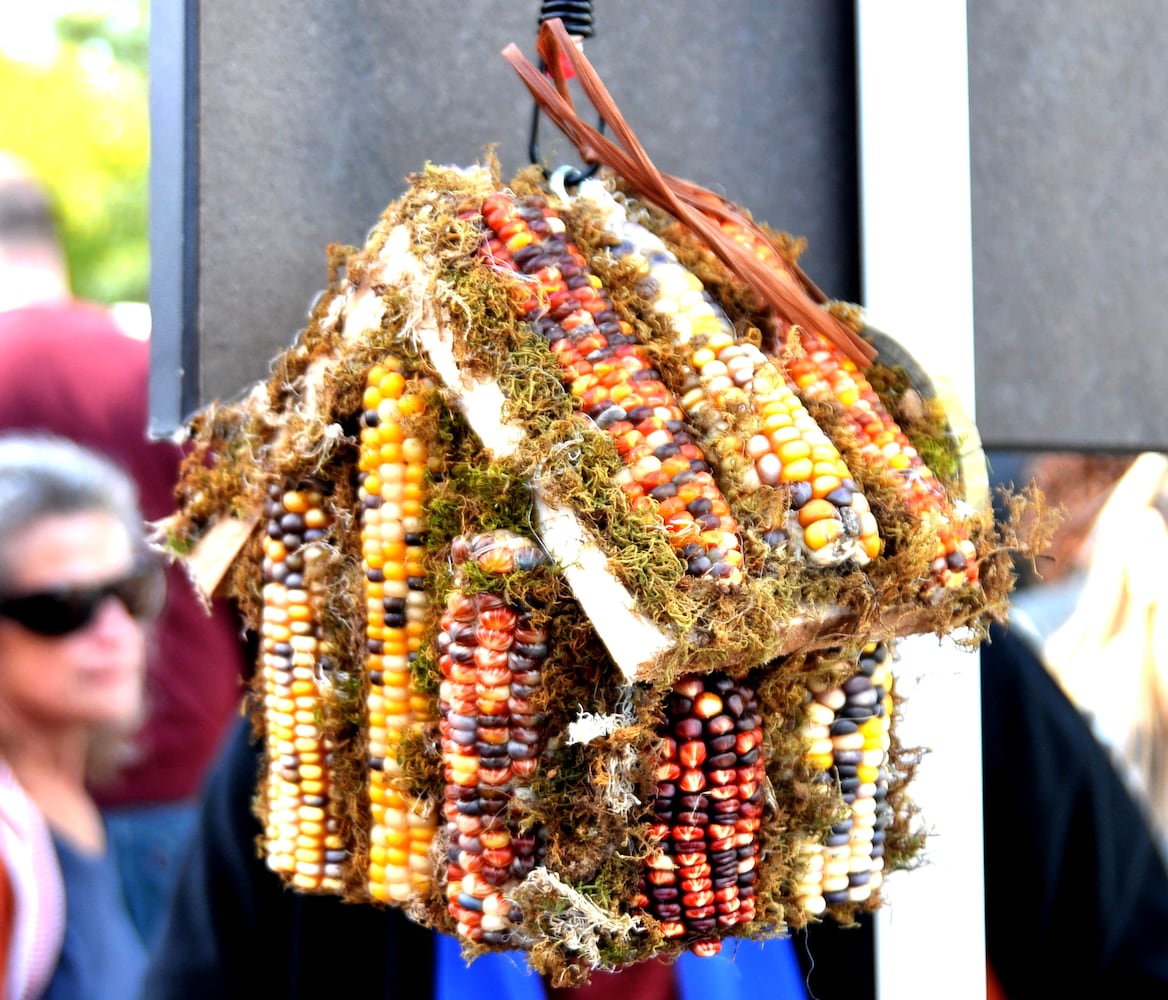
(577, 18)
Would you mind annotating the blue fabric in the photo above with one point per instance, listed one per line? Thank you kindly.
(744, 970)
(102, 955)
(498, 975)
(148, 844)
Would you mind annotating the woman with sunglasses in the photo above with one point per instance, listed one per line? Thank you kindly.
(76, 590)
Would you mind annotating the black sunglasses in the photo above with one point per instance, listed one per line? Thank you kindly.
(63, 610)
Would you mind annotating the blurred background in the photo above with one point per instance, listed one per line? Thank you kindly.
(74, 86)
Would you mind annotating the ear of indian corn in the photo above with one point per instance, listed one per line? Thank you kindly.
(824, 373)
(492, 738)
(828, 516)
(707, 812)
(393, 464)
(848, 734)
(613, 381)
(302, 839)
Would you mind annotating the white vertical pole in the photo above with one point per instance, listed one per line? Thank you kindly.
(916, 259)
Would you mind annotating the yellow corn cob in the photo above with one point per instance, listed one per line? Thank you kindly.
(825, 373)
(301, 835)
(492, 739)
(614, 383)
(847, 729)
(707, 812)
(829, 517)
(393, 466)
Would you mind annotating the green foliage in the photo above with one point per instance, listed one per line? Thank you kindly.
(82, 124)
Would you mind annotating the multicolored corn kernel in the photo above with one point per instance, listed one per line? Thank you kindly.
(393, 466)
(610, 376)
(302, 811)
(707, 812)
(828, 516)
(492, 739)
(848, 735)
(824, 373)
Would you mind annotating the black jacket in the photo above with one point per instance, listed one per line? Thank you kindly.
(1076, 888)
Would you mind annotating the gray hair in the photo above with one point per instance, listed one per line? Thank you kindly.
(42, 475)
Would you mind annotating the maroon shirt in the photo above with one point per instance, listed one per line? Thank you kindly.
(68, 369)
(651, 980)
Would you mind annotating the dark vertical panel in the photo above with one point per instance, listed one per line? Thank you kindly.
(174, 234)
(1068, 138)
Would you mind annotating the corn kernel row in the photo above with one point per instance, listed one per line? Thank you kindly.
(301, 830)
(614, 382)
(825, 374)
(848, 735)
(492, 738)
(707, 812)
(828, 516)
(392, 464)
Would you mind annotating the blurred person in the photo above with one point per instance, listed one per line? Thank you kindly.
(1076, 890)
(68, 368)
(1098, 615)
(78, 586)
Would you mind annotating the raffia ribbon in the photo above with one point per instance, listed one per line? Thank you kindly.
(790, 295)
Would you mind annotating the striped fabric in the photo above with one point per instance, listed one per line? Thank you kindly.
(38, 888)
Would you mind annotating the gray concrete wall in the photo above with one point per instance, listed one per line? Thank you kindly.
(1069, 140)
(310, 117)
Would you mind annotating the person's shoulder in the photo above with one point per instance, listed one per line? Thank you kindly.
(1007, 648)
(82, 337)
(70, 317)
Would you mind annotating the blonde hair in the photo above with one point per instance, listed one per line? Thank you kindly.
(1111, 654)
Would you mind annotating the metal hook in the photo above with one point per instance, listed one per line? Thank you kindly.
(576, 16)
(559, 179)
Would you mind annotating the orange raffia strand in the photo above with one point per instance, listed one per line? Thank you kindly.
(696, 207)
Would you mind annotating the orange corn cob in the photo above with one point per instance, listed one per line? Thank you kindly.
(829, 517)
(707, 812)
(393, 466)
(614, 383)
(491, 657)
(301, 833)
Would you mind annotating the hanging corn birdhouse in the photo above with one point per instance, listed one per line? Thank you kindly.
(578, 532)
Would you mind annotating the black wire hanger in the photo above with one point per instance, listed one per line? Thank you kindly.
(576, 16)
